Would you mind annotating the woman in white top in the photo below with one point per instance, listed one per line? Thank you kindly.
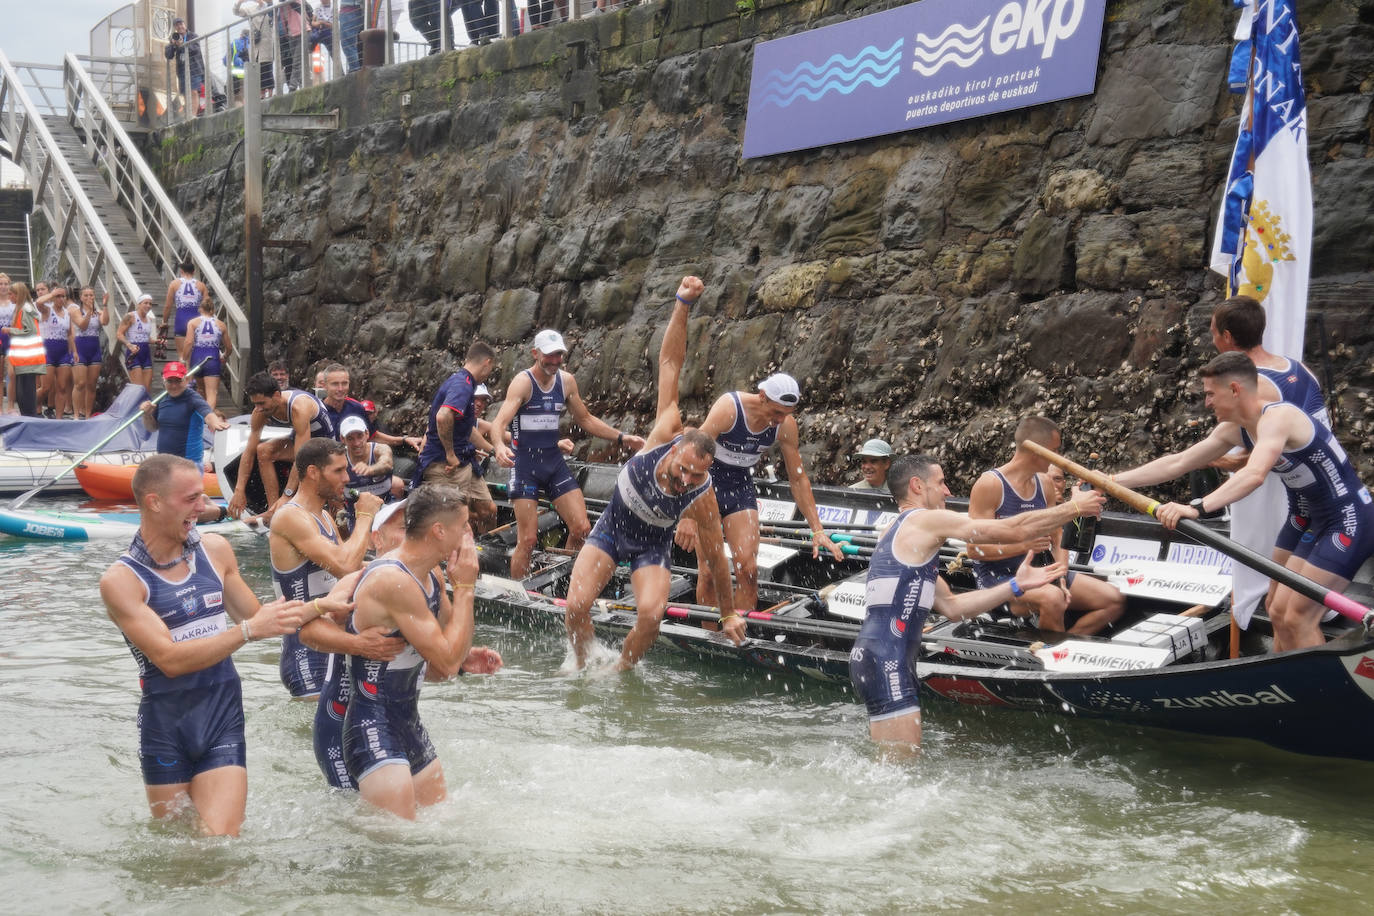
(86, 324)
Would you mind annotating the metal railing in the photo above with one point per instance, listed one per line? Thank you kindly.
(77, 228)
(159, 226)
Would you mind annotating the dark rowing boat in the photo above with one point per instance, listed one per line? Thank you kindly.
(1165, 664)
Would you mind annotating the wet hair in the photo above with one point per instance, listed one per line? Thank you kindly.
(428, 501)
(335, 367)
(906, 467)
(1232, 366)
(699, 441)
(262, 384)
(479, 350)
(1243, 318)
(316, 453)
(1037, 429)
(154, 473)
(187, 266)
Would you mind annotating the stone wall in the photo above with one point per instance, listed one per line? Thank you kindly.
(928, 287)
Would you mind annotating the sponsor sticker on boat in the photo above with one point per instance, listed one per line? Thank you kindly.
(1111, 551)
(1361, 668)
(1169, 582)
(835, 515)
(849, 599)
(1200, 557)
(961, 690)
(1082, 655)
(776, 510)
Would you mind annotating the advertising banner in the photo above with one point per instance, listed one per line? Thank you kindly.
(922, 64)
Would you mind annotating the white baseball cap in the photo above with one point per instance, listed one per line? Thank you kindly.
(549, 341)
(481, 391)
(386, 512)
(352, 424)
(781, 388)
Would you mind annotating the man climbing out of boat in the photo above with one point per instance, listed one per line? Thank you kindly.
(745, 425)
(183, 608)
(388, 533)
(1020, 486)
(308, 559)
(903, 586)
(535, 400)
(451, 437)
(1330, 528)
(386, 749)
(300, 410)
(1238, 326)
(667, 481)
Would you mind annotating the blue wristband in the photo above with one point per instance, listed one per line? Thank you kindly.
(685, 301)
(1016, 589)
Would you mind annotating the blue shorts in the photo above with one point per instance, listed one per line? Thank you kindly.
(625, 550)
(57, 351)
(1337, 543)
(182, 733)
(183, 318)
(882, 676)
(301, 667)
(379, 734)
(213, 367)
(327, 730)
(141, 358)
(735, 493)
(88, 351)
(540, 469)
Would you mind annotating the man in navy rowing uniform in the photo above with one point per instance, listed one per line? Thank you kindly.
(302, 411)
(451, 437)
(1018, 486)
(669, 480)
(180, 417)
(534, 402)
(388, 533)
(386, 749)
(184, 609)
(308, 559)
(1330, 528)
(904, 585)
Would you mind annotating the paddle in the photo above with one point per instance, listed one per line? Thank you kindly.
(705, 614)
(1204, 535)
(22, 498)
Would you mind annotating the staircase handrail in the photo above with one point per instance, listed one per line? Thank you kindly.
(155, 218)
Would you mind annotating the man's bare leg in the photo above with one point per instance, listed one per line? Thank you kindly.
(741, 531)
(572, 509)
(651, 599)
(1297, 619)
(898, 738)
(592, 569)
(391, 788)
(1104, 603)
(526, 533)
(429, 785)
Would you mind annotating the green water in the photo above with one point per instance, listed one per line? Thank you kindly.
(678, 788)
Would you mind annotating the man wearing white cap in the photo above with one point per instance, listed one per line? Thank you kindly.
(135, 332)
(874, 459)
(369, 463)
(745, 425)
(534, 401)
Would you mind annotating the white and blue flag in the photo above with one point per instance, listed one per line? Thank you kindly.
(1263, 244)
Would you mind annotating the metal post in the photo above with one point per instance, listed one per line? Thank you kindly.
(390, 29)
(446, 26)
(252, 208)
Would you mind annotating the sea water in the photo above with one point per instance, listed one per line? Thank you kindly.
(683, 787)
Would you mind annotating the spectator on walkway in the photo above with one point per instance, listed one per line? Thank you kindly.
(184, 51)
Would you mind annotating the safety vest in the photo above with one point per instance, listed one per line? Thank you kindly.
(26, 350)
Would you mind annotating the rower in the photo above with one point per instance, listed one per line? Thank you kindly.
(309, 557)
(1019, 486)
(667, 481)
(388, 532)
(184, 297)
(135, 333)
(336, 400)
(1330, 528)
(534, 401)
(745, 425)
(369, 463)
(300, 410)
(183, 608)
(451, 437)
(875, 457)
(903, 585)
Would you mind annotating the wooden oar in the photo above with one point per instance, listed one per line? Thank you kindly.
(1204, 535)
(22, 498)
(679, 611)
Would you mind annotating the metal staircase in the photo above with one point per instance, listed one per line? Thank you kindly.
(112, 220)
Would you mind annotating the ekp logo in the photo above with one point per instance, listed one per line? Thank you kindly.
(1039, 22)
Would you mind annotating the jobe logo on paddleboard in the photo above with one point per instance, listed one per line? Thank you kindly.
(44, 531)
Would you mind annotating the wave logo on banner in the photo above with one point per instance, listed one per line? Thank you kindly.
(838, 74)
(956, 45)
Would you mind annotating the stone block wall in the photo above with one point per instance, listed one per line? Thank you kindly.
(928, 287)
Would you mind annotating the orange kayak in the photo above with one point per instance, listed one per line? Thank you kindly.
(115, 481)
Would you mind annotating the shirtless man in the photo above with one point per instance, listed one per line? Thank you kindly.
(1238, 326)
(184, 609)
(300, 410)
(745, 425)
(1330, 528)
(309, 557)
(535, 400)
(386, 749)
(668, 481)
(904, 585)
(388, 533)
(1020, 486)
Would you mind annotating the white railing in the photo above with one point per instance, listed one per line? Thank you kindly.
(159, 226)
(77, 228)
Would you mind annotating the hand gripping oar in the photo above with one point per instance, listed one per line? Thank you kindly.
(1204, 535)
(138, 415)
